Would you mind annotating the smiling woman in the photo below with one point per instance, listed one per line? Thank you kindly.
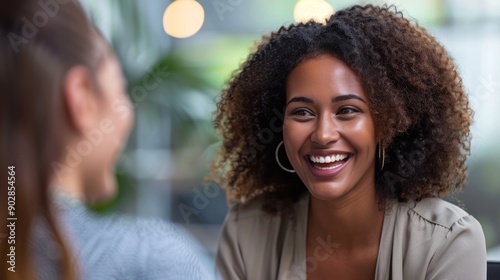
(375, 126)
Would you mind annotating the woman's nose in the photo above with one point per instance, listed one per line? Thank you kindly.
(326, 130)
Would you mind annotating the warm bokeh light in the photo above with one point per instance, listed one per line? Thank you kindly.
(317, 10)
(183, 18)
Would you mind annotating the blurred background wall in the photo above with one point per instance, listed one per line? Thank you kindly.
(173, 84)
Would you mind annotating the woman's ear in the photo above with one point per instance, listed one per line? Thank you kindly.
(80, 99)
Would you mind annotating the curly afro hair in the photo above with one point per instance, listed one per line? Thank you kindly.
(421, 112)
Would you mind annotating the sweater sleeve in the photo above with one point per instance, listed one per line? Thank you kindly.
(461, 254)
(229, 258)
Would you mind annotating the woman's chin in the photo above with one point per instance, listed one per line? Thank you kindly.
(327, 191)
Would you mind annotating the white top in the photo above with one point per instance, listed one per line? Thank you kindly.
(432, 239)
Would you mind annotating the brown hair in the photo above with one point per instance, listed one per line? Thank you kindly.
(40, 42)
(420, 109)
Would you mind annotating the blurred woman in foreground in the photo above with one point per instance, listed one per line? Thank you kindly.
(64, 119)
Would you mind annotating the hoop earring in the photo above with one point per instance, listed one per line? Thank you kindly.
(383, 155)
(278, 160)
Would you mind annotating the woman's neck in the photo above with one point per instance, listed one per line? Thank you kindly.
(351, 223)
(69, 184)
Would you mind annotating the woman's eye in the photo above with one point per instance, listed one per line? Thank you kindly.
(347, 110)
(301, 113)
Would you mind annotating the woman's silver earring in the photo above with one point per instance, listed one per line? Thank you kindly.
(278, 160)
(381, 158)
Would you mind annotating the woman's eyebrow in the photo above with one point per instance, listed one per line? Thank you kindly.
(347, 97)
(300, 99)
(334, 100)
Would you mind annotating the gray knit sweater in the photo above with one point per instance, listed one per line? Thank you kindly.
(118, 247)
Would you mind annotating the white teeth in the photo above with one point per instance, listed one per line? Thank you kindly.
(327, 159)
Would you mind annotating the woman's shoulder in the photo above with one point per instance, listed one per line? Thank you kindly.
(433, 225)
(434, 236)
(435, 211)
(252, 242)
(246, 210)
(246, 221)
(252, 212)
(250, 226)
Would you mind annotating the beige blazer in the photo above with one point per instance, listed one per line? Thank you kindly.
(432, 239)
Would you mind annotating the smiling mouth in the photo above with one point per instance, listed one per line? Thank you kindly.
(329, 162)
